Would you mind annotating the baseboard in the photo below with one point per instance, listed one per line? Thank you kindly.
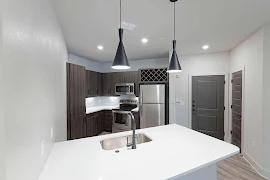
(262, 172)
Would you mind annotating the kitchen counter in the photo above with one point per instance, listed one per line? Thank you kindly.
(101, 108)
(175, 152)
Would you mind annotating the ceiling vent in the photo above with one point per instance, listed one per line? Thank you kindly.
(128, 26)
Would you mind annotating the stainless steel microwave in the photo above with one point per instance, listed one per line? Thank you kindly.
(125, 89)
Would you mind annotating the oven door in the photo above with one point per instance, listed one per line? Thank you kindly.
(121, 121)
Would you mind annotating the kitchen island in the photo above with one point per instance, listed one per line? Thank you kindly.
(175, 152)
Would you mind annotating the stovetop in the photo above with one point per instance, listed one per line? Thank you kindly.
(128, 101)
(127, 105)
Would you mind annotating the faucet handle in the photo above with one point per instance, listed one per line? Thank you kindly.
(129, 144)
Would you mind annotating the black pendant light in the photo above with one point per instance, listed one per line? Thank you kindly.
(174, 65)
(120, 60)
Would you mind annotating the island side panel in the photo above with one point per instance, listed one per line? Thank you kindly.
(209, 173)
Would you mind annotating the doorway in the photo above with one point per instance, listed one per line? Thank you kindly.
(208, 105)
(237, 108)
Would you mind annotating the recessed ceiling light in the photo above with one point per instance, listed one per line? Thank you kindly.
(100, 47)
(205, 47)
(144, 40)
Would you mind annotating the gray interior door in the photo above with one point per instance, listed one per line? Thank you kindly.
(236, 108)
(208, 105)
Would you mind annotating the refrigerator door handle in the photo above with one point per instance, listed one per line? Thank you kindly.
(141, 111)
(141, 98)
(141, 105)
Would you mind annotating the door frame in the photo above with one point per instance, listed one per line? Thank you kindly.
(243, 105)
(226, 101)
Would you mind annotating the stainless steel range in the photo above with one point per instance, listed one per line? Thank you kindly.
(122, 121)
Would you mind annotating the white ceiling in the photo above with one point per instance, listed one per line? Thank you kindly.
(222, 24)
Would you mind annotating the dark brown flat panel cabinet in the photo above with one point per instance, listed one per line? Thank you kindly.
(93, 84)
(75, 101)
(108, 118)
(108, 84)
(98, 84)
(94, 124)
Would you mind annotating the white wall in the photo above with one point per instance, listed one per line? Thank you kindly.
(249, 56)
(2, 122)
(139, 64)
(34, 67)
(106, 67)
(266, 102)
(88, 64)
(195, 65)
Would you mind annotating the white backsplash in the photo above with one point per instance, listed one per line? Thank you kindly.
(105, 100)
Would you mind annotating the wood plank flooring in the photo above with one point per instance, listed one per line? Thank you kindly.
(236, 168)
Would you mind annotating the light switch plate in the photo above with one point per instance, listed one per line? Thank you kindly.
(178, 100)
(52, 132)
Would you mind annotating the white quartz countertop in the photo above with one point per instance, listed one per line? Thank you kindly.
(173, 152)
(101, 108)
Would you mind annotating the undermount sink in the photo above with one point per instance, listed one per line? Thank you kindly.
(120, 142)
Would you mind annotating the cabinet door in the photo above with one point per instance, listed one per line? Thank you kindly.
(106, 124)
(112, 84)
(118, 77)
(87, 83)
(88, 126)
(99, 84)
(77, 127)
(91, 83)
(106, 84)
(101, 121)
(108, 118)
(76, 85)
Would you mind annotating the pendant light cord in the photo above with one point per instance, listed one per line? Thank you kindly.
(120, 14)
(174, 21)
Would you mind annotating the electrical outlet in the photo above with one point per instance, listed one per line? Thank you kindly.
(177, 76)
(52, 132)
(42, 148)
(254, 144)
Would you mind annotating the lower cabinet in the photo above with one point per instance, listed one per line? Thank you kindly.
(108, 119)
(97, 122)
(76, 127)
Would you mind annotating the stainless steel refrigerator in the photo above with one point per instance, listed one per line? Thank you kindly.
(152, 105)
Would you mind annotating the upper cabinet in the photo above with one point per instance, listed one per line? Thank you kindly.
(93, 84)
(108, 83)
(103, 84)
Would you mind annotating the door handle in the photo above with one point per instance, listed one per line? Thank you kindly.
(141, 98)
(141, 110)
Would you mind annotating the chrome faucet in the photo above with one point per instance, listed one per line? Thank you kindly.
(133, 126)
